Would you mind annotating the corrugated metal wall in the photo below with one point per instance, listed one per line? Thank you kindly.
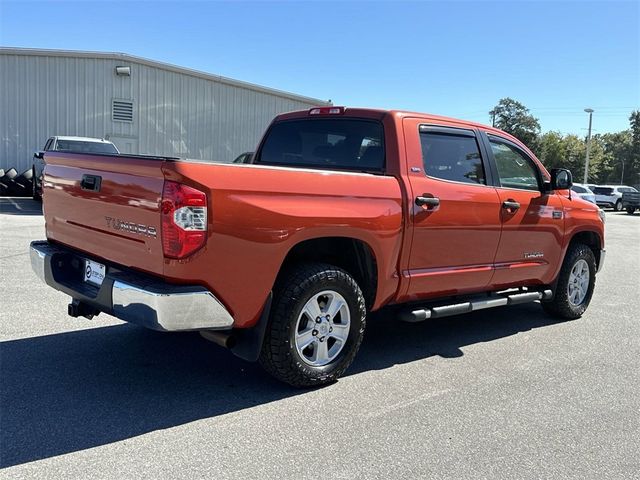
(175, 114)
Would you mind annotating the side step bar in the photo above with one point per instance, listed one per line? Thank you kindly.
(497, 300)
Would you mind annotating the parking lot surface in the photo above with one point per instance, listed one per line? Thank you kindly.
(503, 393)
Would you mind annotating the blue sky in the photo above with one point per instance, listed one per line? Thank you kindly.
(452, 58)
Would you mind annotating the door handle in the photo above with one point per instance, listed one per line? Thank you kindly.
(91, 183)
(510, 205)
(423, 201)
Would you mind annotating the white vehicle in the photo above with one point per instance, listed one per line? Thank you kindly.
(611, 195)
(583, 191)
(67, 144)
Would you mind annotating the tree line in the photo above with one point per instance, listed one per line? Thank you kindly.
(614, 158)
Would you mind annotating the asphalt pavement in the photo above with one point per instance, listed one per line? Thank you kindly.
(502, 393)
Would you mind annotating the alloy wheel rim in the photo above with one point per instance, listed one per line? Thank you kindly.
(578, 282)
(322, 328)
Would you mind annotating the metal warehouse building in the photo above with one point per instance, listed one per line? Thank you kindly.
(142, 106)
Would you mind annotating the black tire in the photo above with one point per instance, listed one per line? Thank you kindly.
(25, 178)
(560, 306)
(618, 206)
(631, 210)
(17, 189)
(9, 174)
(279, 355)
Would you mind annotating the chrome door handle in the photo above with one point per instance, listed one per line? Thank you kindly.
(510, 205)
(427, 201)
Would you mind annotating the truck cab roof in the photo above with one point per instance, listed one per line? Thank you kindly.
(379, 114)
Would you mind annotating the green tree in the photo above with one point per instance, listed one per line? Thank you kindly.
(575, 154)
(617, 147)
(514, 118)
(633, 169)
(552, 150)
(597, 160)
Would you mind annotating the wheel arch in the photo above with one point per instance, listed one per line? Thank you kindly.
(353, 255)
(591, 239)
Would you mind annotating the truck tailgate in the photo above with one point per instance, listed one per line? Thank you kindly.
(106, 204)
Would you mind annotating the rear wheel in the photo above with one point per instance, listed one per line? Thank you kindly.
(618, 206)
(316, 326)
(575, 284)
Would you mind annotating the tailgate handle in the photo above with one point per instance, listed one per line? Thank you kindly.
(91, 183)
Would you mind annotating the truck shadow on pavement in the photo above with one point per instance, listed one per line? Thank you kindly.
(72, 391)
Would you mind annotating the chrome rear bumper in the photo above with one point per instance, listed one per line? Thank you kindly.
(129, 295)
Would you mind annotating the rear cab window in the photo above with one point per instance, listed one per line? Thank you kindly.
(79, 146)
(326, 143)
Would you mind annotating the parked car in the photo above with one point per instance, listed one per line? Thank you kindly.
(583, 191)
(611, 195)
(631, 202)
(342, 212)
(243, 158)
(67, 144)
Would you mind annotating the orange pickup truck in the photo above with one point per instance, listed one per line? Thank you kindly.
(342, 211)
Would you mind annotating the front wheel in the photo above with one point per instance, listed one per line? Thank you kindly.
(575, 286)
(316, 327)
(618, 206)
(630, 210)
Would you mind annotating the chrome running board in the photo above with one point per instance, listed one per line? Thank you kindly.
(499, 299)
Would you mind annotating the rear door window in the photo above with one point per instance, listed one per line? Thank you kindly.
(578, 189)
(345, 143)
(452, 157)
(603, 190)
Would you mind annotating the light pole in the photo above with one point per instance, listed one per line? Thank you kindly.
(622, 176)
(586, 162)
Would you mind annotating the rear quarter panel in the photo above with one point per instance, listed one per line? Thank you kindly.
(259, 213)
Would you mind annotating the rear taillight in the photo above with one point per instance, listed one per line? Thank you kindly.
(184, 220)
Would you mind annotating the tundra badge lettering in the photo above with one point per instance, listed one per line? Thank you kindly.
(528, 255)
(137, 228)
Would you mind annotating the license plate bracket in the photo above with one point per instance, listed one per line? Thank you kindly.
(94, 272)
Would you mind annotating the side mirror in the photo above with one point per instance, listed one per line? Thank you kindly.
(561, 179)
(38, 155)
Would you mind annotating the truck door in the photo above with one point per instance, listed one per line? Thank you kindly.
(454, 211)
(532, 220)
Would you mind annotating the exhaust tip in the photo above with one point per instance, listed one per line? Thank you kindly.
(224, 339)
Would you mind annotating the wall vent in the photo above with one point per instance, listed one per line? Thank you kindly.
(122, 111)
